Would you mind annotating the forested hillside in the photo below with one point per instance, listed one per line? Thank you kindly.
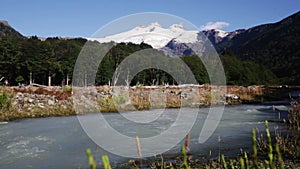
(275, 46)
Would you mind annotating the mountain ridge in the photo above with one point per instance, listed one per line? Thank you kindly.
(275, 45)
(7, 30)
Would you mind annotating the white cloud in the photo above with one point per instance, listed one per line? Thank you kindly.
(214, 25)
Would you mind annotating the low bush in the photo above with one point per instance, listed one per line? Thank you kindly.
(5, 101)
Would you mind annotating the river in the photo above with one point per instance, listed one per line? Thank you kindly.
(60, 142)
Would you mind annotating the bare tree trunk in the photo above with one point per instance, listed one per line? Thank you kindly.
(85, 79)
(127, 81)
(49, 81)
(117, 74)
(30, 78)
(67, 81)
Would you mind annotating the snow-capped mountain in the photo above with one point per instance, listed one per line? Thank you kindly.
(174, 40)
(153, 34)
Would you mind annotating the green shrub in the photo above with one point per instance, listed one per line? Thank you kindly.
(67, 89)
(19, 79)
(119, 100)
(5, 101)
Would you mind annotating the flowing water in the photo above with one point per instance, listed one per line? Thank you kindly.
(60, 142)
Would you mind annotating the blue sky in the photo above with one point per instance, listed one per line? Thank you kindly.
(82, 18)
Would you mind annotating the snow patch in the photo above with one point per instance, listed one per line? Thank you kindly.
(221, 33)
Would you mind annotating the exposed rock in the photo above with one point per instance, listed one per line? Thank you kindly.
(51, 102)
(30, 100)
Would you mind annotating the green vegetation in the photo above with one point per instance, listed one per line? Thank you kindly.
(19, 79)
(240, 72)
(92, 162)
(53, 57)
(107, 105)
(35, 112)
(5, 101)
(67, 89)
(119, 100)
(6, 30)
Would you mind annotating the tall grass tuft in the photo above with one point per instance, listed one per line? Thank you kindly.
(270, 147)
(294, 116)
(92, 162)
(185, 158)
(242, 162)
(231, 164)
(247, 160)
(254, 145)
(224, 162)
(106, 162)
(273, 159)
(280, 160)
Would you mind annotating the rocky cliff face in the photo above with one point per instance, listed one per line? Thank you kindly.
(173, 48)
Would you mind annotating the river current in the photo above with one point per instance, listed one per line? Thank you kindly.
(60, 142)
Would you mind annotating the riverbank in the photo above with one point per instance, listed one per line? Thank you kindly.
(32, 102)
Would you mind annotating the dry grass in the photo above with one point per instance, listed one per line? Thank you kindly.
(36, 112)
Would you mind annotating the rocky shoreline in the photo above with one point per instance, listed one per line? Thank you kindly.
(31, 101)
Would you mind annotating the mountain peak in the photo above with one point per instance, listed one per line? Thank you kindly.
(176, 27)
(221, 33)
(155, 24)
(5, 23)
(217, 32)
(151, 25)
(7, 30)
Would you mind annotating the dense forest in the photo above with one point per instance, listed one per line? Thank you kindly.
(22, 57)
(53, 57)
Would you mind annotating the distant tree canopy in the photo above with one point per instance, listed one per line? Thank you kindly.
(53, 57)
(56, 57)
(240, 72)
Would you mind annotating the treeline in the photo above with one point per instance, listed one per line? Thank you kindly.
(22, 57)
